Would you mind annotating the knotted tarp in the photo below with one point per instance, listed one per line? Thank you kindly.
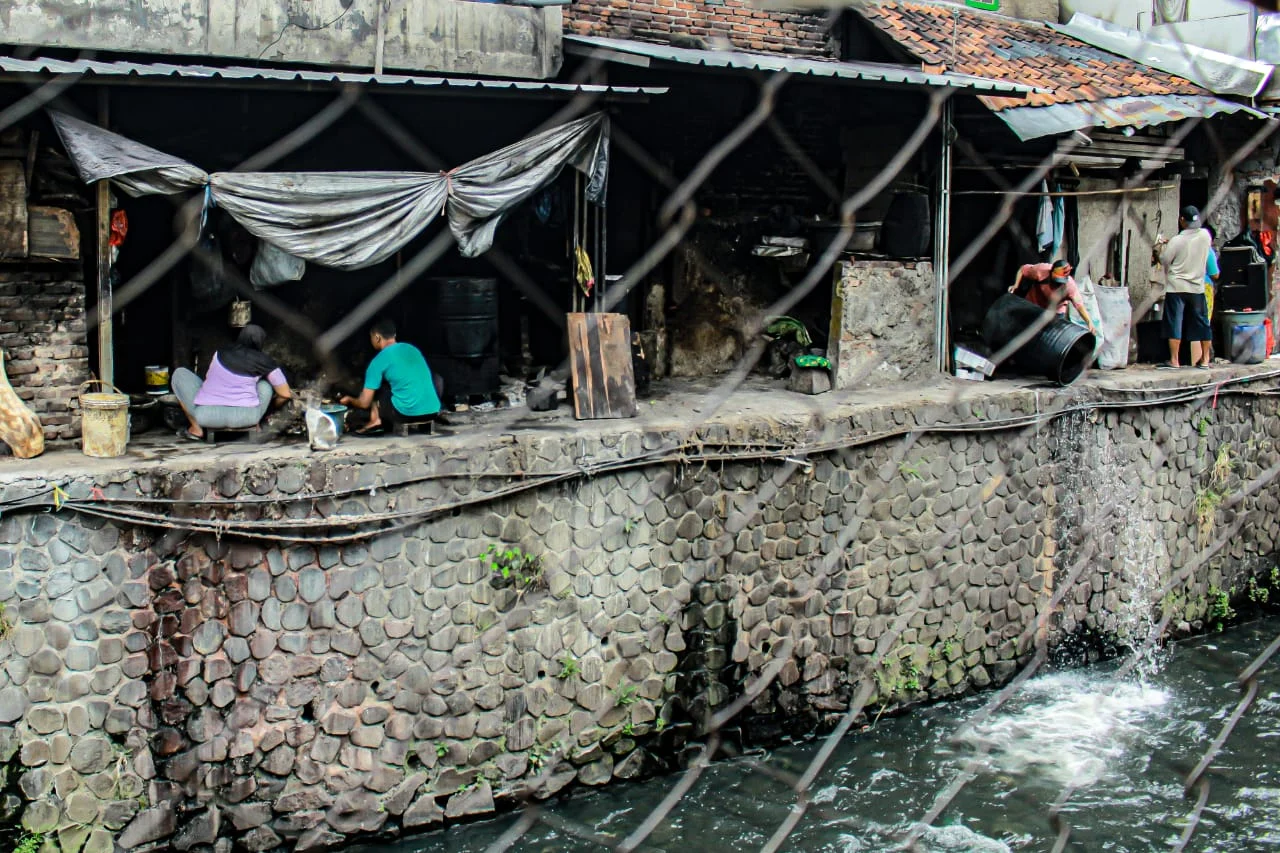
(351, 220)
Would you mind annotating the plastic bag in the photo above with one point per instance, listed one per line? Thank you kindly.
(321, 430)
(1088, 297)
(1115, 319)
(209, 287)
(273, 266)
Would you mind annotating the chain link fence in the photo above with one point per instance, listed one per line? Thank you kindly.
(1226, 500)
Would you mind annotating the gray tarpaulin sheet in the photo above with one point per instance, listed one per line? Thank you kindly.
(350, 220)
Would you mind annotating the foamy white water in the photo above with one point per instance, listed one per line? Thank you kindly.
(1068, 728)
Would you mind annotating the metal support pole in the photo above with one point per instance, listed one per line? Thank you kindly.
(942, 243)
(106, 360)
(382, 37)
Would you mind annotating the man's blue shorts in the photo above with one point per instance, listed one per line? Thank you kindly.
(1186, 317)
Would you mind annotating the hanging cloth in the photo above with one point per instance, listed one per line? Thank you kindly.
(1044, 219)
(1059, 220)
(352, 220)
(1071, 233)
(582, 270)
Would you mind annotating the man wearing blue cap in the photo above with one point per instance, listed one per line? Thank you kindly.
(1186, 312)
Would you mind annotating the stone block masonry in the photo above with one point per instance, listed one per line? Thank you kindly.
(42, 333)
(228, 689)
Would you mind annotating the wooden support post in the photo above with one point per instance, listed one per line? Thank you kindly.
(106, 360)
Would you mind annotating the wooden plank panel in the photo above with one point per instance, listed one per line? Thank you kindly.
(13, 210)
(53, 234)
(604, 384)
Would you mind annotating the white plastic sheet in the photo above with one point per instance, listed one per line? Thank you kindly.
(1116, 321)
(273, 265)
(351, 220)
(1091, 305)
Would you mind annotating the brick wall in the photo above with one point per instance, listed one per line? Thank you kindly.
(42, 333)
(691, 24)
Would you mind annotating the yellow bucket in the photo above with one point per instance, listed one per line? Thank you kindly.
(104, 421)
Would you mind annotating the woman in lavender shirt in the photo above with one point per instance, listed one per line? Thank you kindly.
(241, 384)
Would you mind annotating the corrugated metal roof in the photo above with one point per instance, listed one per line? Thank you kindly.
(241, 74)
(1035, 122)
(875, 72)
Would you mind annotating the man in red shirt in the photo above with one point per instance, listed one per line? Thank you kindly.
(1051, 287)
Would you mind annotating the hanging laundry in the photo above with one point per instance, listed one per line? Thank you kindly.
(1059, 220)
(1044, 219)
(119, 227)
(582, 270)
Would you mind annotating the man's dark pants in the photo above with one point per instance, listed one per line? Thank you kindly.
(1186, 317)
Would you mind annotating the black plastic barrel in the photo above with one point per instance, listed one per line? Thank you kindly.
(905, 231)
(1060, 351)
(462, 342)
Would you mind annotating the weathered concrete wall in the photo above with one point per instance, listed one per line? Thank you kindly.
(1031, 10)
(42, 334)
(882, 323)
(419, 35)
(211, 692)
(1144, 216)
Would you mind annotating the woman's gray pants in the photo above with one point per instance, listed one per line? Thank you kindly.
(185, 387)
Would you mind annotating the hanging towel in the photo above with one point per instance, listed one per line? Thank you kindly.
(1044, 220)
(1059, 220)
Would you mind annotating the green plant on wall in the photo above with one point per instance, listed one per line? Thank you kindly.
(1220, 609)
(568, 667)
(897, 677)
(539, 753)
(1258, 593)
(30, 842)
(6, 627)
(1223, 464)
(513, 564)
(1207, 501)
(625, 695)
(909, 472)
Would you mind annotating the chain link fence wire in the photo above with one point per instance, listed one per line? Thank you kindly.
(674, 218)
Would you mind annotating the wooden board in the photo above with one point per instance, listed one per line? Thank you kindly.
(604, 384)
(13, 210)
(53, 234)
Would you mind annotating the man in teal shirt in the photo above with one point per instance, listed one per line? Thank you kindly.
(398, 385)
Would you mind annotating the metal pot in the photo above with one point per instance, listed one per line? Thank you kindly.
(241, 313)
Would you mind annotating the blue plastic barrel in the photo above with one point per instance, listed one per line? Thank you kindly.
(1244, 335)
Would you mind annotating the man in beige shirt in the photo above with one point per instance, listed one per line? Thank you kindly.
(1186, 313)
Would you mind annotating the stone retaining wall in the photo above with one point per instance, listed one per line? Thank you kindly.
(201, 691)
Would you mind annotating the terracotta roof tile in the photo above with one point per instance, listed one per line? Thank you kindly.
(994, 46)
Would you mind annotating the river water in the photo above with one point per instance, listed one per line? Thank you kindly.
(1116, 748)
